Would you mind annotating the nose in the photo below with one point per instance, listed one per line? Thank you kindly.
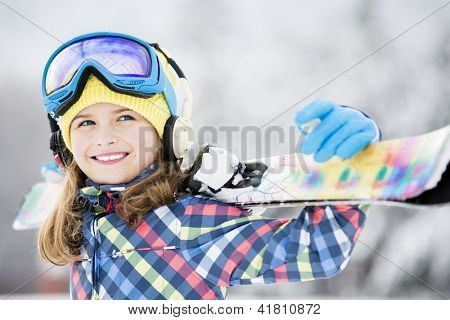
(105, 136)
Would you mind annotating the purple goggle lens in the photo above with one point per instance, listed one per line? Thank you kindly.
(119, 56)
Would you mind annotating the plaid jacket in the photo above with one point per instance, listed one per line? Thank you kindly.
(197, 247)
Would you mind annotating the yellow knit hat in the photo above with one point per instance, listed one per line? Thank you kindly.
(154, 109)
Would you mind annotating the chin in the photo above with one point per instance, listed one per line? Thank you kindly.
(110, 180)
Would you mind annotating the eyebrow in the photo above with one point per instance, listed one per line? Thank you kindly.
(90, 116)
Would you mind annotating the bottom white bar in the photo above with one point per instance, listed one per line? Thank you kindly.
(237, 309)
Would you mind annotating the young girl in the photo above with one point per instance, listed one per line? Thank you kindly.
(124, 222)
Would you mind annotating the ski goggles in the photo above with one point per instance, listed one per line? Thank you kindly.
(124, 63)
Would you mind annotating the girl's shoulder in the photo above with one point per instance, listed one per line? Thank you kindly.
(198, 204)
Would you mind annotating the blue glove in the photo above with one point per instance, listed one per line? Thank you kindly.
(342, 131)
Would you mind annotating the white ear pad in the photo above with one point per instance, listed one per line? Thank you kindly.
(182, 136)
(182, 132)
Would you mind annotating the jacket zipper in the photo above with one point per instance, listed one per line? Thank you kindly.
(94, 232)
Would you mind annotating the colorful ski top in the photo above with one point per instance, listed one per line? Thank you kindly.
(197, 247)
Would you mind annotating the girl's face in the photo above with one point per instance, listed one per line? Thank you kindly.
(112, 144)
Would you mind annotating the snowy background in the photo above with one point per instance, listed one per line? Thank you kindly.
(248, 62)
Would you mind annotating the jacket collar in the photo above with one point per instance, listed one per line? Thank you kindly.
(94, 189)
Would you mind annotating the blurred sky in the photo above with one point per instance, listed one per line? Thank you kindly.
(247, 62)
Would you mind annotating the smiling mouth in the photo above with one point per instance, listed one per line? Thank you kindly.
(110, 158)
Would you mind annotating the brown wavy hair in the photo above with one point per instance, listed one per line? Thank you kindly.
(60, 236)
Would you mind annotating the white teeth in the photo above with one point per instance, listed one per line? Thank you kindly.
(112, 157)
